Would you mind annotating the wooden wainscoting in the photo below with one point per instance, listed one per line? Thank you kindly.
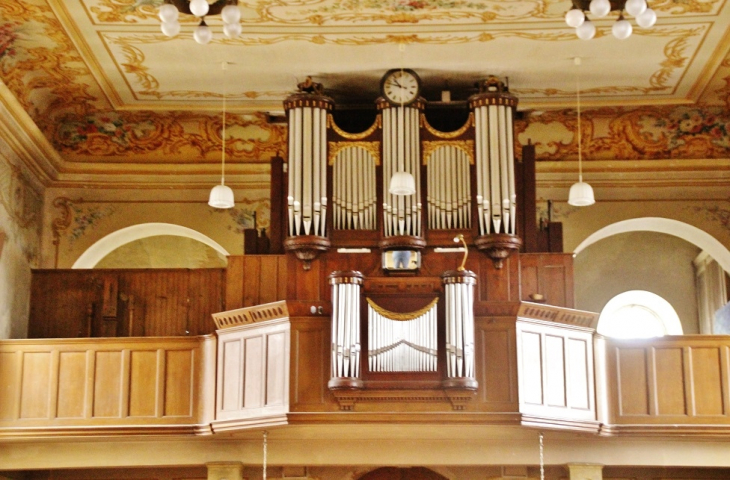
(547, 277)
(107, 386)
(678, 384)
(255, 279)
(124, 303)
(555, 368)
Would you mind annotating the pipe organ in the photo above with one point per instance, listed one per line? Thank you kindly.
(459, 294)
(468, 175)
(400, 342)
(345, 329)
(307, 189)
(449, 188)
(401, 153)
(496, 198)
(354, 196)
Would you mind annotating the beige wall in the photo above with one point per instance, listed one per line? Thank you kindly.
(656, 262)
(20, 224)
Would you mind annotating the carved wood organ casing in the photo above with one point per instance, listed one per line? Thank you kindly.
(338, 194)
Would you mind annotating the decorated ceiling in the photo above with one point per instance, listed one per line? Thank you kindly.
(108, 93)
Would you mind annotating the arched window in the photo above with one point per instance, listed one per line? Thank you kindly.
(638, 314)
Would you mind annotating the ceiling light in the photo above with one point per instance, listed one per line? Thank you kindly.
(622, 29)
(402, 183)
(581, 193)
(221, 196)
(227, 9)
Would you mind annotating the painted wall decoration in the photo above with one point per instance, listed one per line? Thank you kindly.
(714, 213)
(630, 134)
(23, 205)
(171, 137)
(246, 214)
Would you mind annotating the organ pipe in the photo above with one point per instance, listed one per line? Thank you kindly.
(307, 192)
(494, 131)
(345, 346)
(459, 296)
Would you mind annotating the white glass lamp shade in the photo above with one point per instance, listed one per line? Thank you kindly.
(168, 13)
(402, 183)
(231, 14)
(581, 195)
(221, 196)
(622, 28)
(199, 8)
(647, 19)
(586, 31)
(575, 17)
(600, 8)
(203, 34)
(232, 30)
(170, 29)
(635, 7)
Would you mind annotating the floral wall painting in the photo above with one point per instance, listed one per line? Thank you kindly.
(78, 217)
(714, 213)
(246, 214)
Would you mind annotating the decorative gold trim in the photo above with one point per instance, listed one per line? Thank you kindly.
(353, 136)
(401, 317)
(428, 147)
(448, 135)
(373, 148)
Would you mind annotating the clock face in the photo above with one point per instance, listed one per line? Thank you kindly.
(401, 86)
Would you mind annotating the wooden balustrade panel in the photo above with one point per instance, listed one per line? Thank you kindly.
(549, 275)
(672, 382)
(310, 360)
(81, 384)
(253, 374)
(496, 364)
(255, 279)
(555, 370)
(123, 303)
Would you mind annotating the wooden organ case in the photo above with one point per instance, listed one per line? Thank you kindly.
(402, 315)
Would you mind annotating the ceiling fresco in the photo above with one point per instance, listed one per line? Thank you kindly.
(101, 85)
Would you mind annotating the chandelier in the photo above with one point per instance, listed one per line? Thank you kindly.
(227, 9)
(584, 28)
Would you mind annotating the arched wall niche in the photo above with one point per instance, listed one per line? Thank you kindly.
(397, 473)
(114, 240)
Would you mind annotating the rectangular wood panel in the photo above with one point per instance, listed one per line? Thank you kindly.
(707, 381)
(495, 363)
(555, 371)
(35, 387)
(71, 385)
(579, 378)
(231, 377)
(107, 384)
(632, 381)
(143, 392)
(253, 375)
(178, 388)
(10, 364)
(310, 364)
(670, 381)
(531, 390)
(276, 365)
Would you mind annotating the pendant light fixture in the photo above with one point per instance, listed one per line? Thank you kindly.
(221, 196)
(581, 193)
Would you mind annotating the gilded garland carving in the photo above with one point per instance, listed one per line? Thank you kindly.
(429, 147)
(401, 317)
(373, 148)
(353, 136)
(447, 135)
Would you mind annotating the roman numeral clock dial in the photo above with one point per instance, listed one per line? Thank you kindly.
(400, 86)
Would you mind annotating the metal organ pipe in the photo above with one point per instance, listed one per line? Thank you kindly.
(345, 347)
(354, 195)
(401, 152)
(449, 189)
(493, 122)
(459, 293)
(307, 192)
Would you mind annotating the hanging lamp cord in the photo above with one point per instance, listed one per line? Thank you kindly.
(580, 136)
(542, 459)
(224, 66)
(266, 434)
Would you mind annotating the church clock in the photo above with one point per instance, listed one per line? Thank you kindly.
(400, 86)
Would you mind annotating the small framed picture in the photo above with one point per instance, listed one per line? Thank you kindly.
(404, 260)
